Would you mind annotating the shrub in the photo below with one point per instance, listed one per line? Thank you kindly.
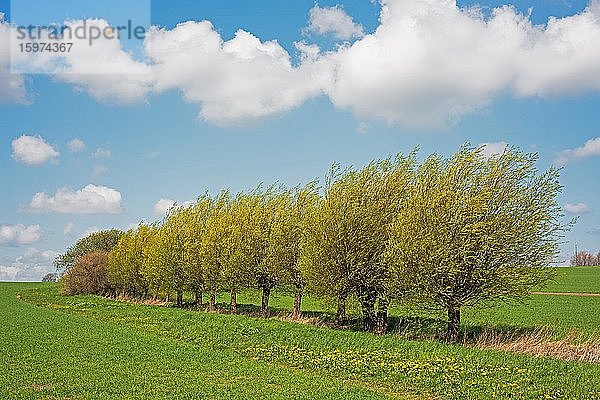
(89, 275)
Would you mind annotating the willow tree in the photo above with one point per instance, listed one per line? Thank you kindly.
(215, 245)
(151, 265)
(125, 263)
(477, 230)
(347, 234)
(194, 220)
(171, 250)
(247, 243)
(285, 234)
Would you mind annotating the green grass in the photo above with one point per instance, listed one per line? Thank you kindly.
(123, 351)
(575, 280)
(87, 347)
(560, 315)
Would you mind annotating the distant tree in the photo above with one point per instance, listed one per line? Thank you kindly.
(51, 277)
(97, 241)
(89, 275)
(476, 230)
(585, 259)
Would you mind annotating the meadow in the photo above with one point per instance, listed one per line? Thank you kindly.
(87, 347)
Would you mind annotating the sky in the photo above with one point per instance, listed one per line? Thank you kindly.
(229, 94)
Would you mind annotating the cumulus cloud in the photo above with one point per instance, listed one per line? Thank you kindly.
(493, 148)
(579, 208)
(430, 62)
(89, 231)
(91, 199)
(427, 64)
(236, 80)
(589, 149)
(31, 266)
(8, 273)
(102, 153)
(104, 70)
(76, 145)
(33, 150)
(20, 234)
(335, 21)
(163, 205)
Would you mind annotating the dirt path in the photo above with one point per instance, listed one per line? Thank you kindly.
(569, 294)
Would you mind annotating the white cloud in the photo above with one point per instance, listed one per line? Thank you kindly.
(8, 273)
(102, 153)
(104, 70)
(589, 149)
(12, 86)
(69, 229)
(362, 128)
(579, 208)
(91, 199)
(76, 145)
(236, 80)
(89, 231)
(33, 150)
(430, 62)
(333, 20)
(163, 205)
(20, 234)
(99, 170)
(493, 148)
(31, 266)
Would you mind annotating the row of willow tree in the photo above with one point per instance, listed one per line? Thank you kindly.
(443, 232)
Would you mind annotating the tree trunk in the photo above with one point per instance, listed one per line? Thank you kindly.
(213, 299)
(179, 299)
(381, 324)
(199, 298)
(341, 309)
(297, 302)
(264, 307)
(453, 324)
(368, 311)
(168, 299)
(233, 302)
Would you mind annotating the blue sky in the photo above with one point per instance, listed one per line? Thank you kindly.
(165, 135)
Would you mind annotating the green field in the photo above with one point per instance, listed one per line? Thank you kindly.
(575, 280)
(84, 347)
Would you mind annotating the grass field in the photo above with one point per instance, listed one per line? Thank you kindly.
(85, 347)
(575, 280)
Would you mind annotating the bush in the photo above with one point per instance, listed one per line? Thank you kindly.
(88, 276)
(51, 277)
